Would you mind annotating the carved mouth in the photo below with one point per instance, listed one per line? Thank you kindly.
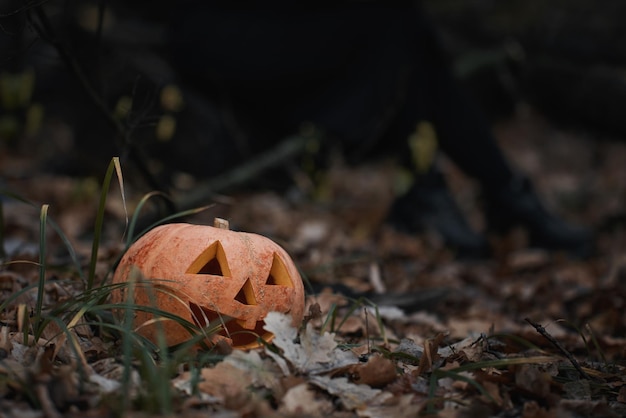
(232, 329)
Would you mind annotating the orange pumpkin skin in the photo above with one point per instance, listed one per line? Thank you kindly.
(207, 274)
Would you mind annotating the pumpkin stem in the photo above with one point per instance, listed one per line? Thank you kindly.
(220, 223)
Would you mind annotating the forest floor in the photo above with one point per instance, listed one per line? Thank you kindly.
(523, 333)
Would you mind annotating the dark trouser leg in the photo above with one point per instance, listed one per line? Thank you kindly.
(465, 136)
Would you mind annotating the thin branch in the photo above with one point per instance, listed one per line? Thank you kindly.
(282, 152)
(541, 330)
(46, 32)
(24, 8)
(203, 192)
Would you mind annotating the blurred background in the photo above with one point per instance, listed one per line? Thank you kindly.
(564, 58)
(82, 81)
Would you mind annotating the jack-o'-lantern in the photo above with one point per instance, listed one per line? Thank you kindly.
(210, 275)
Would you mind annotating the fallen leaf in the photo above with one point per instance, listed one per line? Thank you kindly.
(223, 381)
(314, 353)
(411, 350)
(105, 385)
(533, 380)
(377, 372)
(352, 396)
(300, 400)
(588, 408)
(431, 354)
(403, 406)
(262, 372)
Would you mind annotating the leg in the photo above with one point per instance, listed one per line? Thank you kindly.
(465, 136)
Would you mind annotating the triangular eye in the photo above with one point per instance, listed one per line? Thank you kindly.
(246, 294)
(212, 267)
(278, 273)
(212, 261)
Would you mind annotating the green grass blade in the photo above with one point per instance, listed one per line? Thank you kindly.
(596, 344)
(456, 376)
(114, 165)
(43, 217)
(15, 296)
(356, 304)
(379, 323)
(55, 226)
(329, 322)
(594, 340)
(72, 342)
(120, 183)
(176, 215)
(432, 391)
(130, 237)
(70, 249)
(127, 346)
(135, 218)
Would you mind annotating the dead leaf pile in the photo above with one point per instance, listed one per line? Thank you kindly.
(469, 350)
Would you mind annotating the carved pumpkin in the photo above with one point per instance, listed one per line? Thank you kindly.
(207, 274)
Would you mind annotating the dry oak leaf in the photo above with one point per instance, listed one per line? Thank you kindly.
(300, 400)
(402, 406)
(352, 396)
(377, 372)
(224, 381)
(233, 376)
(532, 379)
(314, 353)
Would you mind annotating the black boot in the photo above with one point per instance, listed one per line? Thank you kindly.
(518, 205)
(429, 207)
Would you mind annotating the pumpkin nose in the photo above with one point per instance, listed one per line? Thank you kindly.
(246, 294)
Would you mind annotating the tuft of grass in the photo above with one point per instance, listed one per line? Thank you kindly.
(113, 165)
(594, 341)
(333, 323)
(148, 366)
(131, 236)
(456, 374)
(66, 242)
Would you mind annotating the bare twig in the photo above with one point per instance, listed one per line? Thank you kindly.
(282, 152)
(541, 330)
(23, 8)
(46, 32)
(203, 192)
